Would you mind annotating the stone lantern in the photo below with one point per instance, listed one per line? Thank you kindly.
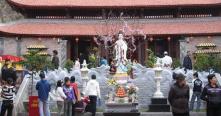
(158, 71)
(158, 102)
(84, 74)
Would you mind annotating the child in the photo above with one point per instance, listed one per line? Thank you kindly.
(8, 95)
(69, 92)
(60, 97)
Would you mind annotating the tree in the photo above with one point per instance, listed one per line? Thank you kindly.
(151, 59)
(36, 62)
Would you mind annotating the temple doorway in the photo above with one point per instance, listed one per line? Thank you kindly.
(159, 45)
(79, 48)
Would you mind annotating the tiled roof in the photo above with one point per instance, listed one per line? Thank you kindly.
(206, 45)
(207, 51)
(111, 3)
(37, 47)
(93, 27)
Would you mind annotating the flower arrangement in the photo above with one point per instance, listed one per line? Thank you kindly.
(132, 90)
(112, 82)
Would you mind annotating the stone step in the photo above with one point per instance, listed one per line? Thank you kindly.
(159, 108)
(142, 114)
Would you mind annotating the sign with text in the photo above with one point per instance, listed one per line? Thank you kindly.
(33, 106)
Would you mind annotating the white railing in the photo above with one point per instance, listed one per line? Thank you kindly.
(20, 96)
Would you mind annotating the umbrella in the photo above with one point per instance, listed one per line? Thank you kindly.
(11, 58)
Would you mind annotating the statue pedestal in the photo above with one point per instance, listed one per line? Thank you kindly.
(121, 108)
(159, 105)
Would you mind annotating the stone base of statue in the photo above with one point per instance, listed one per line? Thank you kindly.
(119, 104)
(159, 105)
(121, 109)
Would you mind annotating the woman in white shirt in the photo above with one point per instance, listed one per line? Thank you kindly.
(60, 96)
(93, 91)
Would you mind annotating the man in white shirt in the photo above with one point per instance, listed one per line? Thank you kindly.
(167, 60)
(93, 91)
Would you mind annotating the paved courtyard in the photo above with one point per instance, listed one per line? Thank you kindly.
(142, 114)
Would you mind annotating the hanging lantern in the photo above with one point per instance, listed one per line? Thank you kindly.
(151, 39)
(169, 38)
(77, 39)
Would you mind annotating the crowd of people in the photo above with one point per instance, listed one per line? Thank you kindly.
(179, 95)
(67, 95)
(8, 85)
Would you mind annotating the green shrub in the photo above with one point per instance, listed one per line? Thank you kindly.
(204, 62)
(34, 61)
(176, 63)
(69, 64)
(93, 61)
(151, 59)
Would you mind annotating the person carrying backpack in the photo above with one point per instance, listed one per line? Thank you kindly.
(197, 89)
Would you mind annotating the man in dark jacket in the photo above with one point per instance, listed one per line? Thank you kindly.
(8, 72)
(197, 89)
(43, 88)
(55, 59)
(187, 62)
(179, 97)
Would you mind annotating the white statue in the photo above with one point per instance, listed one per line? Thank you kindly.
(77, 64)
(121, 49)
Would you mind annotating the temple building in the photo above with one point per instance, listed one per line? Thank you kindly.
(71, 26)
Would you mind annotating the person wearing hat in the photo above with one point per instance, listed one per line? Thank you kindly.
(43, 88)
(212, 95)
(167, 60)
(179, 96)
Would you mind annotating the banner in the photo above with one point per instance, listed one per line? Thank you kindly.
(33, 106)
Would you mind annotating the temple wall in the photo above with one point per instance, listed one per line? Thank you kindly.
(13, 46)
